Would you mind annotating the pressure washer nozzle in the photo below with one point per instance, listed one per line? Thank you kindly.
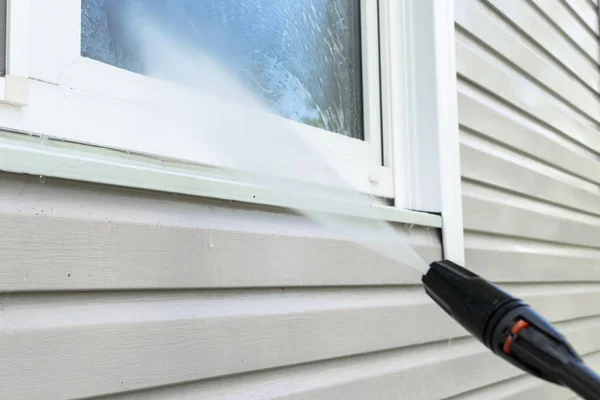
(509, 327)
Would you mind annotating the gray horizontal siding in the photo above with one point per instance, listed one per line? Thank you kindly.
(552, 35)
(107, 290)
(131, 294)
(561, 14)
(68, 236)
(586, 14)
(527, 387)
(529, 128)
(74, 327)
(427, 371)
(69, 345)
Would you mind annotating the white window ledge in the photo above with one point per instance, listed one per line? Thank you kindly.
(53, 158)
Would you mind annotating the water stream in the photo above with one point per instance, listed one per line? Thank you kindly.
(299, 61)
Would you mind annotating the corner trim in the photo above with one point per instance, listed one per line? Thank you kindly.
(448, 133)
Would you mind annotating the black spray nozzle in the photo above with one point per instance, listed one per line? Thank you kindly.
(509, 327)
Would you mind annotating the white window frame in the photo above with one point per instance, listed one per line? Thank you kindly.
(13, 86)
(70, 70)
(50, 94)
(419, 79)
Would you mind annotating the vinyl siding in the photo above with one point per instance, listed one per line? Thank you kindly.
(108, 290)
(132, 294)
(528, 104)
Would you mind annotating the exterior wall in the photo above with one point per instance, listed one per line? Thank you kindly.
(108, 290)
(530, 138)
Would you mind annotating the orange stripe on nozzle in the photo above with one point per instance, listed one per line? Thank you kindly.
(517, 327)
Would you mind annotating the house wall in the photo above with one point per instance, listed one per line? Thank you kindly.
(135, 294)
(530, 142)
(107, 290)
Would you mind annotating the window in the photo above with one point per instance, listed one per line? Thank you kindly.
(367, 84)
(117, 100)
(302, 57)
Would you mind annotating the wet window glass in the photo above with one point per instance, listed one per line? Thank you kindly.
(301, 58)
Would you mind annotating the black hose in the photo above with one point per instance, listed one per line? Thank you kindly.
(509, 327)
(581, 379)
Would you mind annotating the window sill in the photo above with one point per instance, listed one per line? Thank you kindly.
(53, 158)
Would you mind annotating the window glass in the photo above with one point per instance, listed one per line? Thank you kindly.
(301, 58)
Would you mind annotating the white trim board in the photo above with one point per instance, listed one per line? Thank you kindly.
(45, 157)
(17, 38)
(447, 131)
(14, 85)
(420, 110)
(409, 93)
(371, 80)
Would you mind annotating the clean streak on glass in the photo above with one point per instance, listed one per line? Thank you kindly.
(302, 58)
